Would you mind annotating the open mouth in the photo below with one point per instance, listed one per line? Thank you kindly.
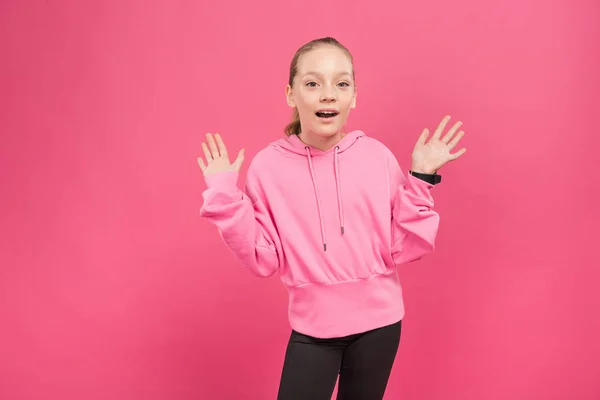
(327, 113)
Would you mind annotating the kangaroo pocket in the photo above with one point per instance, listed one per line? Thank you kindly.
(345, 259)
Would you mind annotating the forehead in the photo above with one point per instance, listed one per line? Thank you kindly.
(325, 60)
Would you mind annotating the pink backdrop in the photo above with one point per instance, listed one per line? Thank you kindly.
(111, 287)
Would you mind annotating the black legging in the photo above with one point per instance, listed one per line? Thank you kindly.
(363, 361)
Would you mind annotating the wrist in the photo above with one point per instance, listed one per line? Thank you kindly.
(423, 170)
(221, 180)
(432, 178)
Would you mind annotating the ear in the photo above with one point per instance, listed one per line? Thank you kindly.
(353, 105)
(290, 96)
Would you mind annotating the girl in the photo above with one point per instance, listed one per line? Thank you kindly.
(332, 212)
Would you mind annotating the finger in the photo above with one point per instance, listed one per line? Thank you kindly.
(456, 139)
(221, 145)
(201, 164)
(212, 146)
(423, 137)
(237, 164)
(441, 126)
(451, 132)
(457, 154)
(207, 154)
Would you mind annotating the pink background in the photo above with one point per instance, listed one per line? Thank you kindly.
(111, 287)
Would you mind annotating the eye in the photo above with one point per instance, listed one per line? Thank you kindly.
(344, 84)
(311, 84)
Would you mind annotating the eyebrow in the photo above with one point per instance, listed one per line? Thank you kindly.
(338, 74)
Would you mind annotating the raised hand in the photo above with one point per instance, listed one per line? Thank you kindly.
(429, 157)
(217, 159)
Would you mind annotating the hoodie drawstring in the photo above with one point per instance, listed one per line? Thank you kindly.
(337, 184)
(338, 189)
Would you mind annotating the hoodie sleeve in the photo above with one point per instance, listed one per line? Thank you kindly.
(414, 222)
(243, 221)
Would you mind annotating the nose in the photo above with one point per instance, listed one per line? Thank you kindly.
(328, 95)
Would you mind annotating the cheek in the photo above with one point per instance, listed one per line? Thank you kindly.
(348, 102)
(306, 98)
(305, 102)
(346, 97)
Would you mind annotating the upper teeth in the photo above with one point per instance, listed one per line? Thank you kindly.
(327, 112)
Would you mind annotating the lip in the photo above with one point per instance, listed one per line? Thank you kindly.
(333, 110)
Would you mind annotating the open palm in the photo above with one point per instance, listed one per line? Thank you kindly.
(429, 156)
(217, 158)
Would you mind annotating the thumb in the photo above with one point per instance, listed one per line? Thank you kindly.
(237, 164)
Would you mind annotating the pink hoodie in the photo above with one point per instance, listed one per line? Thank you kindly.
(333, 223)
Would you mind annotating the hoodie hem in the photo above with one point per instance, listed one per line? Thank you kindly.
(346, 308)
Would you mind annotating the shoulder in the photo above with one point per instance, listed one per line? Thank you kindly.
(376, 147)
(266, 156)
(262, 162)
(372, 144)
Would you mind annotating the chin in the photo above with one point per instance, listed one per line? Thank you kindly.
(327, 130)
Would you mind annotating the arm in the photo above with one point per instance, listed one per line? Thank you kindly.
(243, 221)
(414, 222)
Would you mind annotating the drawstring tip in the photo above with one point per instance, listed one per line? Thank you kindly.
(324, 247)
(342, 230)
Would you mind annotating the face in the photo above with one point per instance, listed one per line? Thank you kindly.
(323, 91)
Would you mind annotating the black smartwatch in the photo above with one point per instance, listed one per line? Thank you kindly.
(433, 179)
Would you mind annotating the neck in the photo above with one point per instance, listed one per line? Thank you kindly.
(319, 142)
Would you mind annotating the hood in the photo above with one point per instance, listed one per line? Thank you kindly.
(293, 144)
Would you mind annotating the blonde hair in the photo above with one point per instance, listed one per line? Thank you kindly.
(294, 128)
